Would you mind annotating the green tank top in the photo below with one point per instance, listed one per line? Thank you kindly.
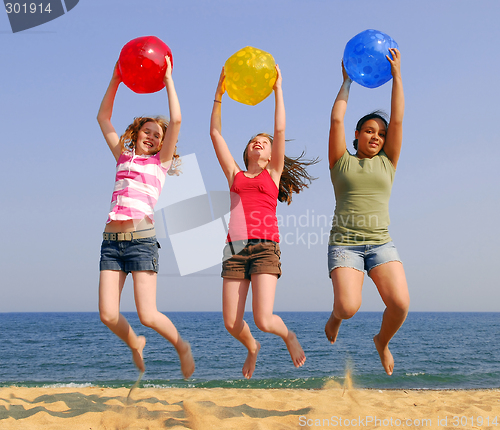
(362, 191)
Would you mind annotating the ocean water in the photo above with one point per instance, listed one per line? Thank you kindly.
(431, 351)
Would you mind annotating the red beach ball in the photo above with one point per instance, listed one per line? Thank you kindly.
(142, 64)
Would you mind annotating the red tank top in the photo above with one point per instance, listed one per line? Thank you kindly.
(253, 208)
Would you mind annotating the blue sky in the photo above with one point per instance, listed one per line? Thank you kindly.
(58, 172)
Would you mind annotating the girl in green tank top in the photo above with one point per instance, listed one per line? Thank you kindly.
(359, 238)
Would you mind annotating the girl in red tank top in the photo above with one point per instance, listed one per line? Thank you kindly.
(251, 256)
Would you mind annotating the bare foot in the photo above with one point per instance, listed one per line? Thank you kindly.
(385, 355)
(186, 359)
(249, 365)
(332, 327)
(137, 353)
(295, 350)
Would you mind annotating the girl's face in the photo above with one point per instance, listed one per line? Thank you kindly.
(149, 139)
(259, 148)
(371, 138)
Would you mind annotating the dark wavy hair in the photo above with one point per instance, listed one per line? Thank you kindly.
(377, 114)
(129, 138)
(294, 177)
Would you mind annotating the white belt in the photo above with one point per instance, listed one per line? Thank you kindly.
(141, 234)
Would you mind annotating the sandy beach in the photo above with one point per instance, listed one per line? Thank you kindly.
(92, 408)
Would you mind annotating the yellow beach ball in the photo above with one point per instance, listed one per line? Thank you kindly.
(250, 75)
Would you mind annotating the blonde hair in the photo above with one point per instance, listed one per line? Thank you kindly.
(294, 177)
(129, 138)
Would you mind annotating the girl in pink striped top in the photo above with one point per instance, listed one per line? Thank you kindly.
(144, 154)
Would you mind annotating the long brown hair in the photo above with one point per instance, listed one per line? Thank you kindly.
(294, 177)
(129, 138)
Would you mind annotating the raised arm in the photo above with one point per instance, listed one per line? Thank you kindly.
(172, 134)
(336, 141)
(226, 160)
(105, 113)
(278, 148)
(394, 138)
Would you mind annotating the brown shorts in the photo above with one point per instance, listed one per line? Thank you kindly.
(258, 256)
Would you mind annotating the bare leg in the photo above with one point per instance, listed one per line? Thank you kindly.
(234, 296)
(347, 287)
(145, 300)
(391, 283)
(110, 288)
(264, 289)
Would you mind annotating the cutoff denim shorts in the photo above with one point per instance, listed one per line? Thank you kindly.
(361, 257)
(130, 256)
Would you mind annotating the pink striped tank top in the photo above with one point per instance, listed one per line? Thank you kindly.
(138, 184)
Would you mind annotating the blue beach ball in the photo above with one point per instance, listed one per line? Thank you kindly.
(364, 58)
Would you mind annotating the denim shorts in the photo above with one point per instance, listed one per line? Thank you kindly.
(131, 255)
(361, 257)
(242, 259)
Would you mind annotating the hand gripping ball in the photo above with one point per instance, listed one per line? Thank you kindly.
(364, 58)
(142, 64)
(250, 75)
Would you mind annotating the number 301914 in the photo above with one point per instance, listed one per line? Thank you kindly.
(27, 8)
